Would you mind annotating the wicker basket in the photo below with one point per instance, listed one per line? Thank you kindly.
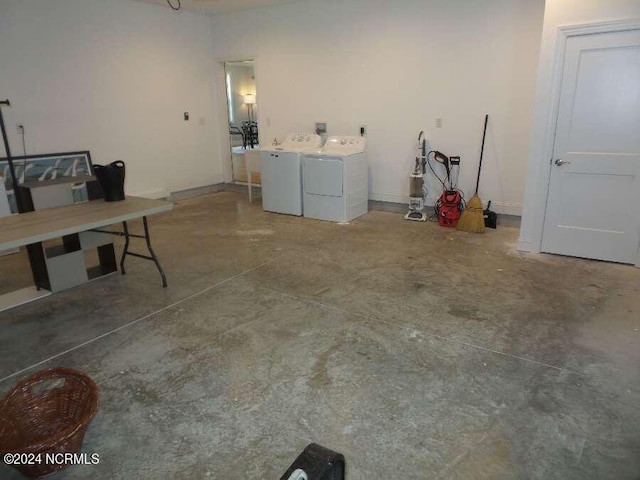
(47, 413)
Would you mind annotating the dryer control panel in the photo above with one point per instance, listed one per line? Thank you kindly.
(345, 143)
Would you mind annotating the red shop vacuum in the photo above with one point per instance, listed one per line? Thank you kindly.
(449, 208)
(451, 203)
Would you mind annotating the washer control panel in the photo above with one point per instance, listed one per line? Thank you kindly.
(310, 140)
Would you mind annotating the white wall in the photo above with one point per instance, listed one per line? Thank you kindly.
(113, 77)
(395, 66)
(557, 13)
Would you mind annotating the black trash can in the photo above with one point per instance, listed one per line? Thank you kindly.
(111, 179)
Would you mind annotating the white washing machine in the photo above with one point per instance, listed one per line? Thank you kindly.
(335, 180)
(281, 173)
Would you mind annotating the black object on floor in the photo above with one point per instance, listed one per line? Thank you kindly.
(317, 463)
(490, 217)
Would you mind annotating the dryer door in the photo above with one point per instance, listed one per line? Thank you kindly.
(323, 176)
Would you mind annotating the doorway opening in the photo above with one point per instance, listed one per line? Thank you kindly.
(240, 83)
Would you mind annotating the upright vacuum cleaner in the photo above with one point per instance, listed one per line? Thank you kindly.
(417, 189)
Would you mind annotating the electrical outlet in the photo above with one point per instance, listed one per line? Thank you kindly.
(438, 122)
(20, 129)
(321, 128)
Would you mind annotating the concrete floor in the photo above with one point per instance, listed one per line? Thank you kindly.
(416, 351)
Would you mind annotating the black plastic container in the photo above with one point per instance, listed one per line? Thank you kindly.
(318, 463)
(111, 179)
(490, 218)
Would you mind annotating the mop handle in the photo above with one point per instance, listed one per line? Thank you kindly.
(484, 135)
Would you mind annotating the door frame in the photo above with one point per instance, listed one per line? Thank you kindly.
(223, 113)
(542, 153)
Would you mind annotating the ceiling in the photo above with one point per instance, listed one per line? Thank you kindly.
(218, 6)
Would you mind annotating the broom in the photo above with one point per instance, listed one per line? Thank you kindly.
(472, 219)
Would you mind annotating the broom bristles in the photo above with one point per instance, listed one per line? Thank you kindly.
(472, 219)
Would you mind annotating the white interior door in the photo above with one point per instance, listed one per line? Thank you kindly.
(593, 205)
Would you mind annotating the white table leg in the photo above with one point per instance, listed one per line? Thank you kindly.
(252, 164)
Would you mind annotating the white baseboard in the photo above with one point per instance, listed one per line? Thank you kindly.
(166, 193)
(503, 208)
(154, 194)
(195, 192)
(388, 197)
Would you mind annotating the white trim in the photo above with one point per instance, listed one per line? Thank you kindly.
(599, 27)
(224, 146)
(525, 246)
(220, 92)
(637, 265)
(534, 209)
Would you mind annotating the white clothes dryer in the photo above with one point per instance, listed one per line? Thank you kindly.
(281, 173)
(335, 180)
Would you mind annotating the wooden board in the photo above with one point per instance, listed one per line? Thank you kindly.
(42, 225)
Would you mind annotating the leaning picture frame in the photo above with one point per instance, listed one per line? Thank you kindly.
(49, 166)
